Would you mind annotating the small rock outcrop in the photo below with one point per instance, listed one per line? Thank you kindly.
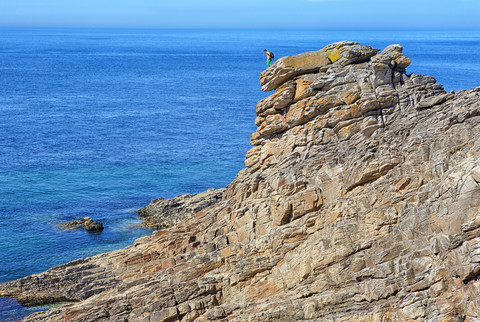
(163, 213)
(71, 282)
(360, 200)
(86, 223)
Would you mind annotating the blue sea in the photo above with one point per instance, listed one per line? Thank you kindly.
(98, 122)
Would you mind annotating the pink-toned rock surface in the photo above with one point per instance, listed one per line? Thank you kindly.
(359, 201)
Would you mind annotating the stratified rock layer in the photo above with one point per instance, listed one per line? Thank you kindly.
(162, 213)
(359, 201)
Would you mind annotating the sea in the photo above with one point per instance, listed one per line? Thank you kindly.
(98, 122)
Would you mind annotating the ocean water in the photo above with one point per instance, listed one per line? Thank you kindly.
(98, 122)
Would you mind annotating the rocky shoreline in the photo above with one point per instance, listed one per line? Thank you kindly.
(360, 200)
(163, 213)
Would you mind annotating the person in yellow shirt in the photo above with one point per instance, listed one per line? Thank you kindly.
(270, 57)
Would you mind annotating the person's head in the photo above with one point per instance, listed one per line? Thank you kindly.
(265, 51)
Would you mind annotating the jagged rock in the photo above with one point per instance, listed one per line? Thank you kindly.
(342, 53)
(74, 281)
(348, 52)
(162, 213)
(87, 223)
(432, 101)
(358, 202)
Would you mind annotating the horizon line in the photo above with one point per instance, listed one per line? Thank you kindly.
(244, 28)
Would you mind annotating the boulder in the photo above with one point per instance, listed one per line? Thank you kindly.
(288, 67)
(86, 223)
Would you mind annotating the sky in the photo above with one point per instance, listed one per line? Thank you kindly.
(325, 14)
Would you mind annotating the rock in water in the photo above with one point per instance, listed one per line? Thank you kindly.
(87, 223)
(360, 200)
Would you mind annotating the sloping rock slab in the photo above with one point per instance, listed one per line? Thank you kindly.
(162, 213)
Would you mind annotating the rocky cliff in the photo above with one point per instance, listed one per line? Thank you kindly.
(360, 200)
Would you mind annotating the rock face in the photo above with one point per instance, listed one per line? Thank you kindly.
(162, 213)
(74, 281)
(360, 200)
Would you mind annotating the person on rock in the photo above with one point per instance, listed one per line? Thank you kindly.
(270, 57)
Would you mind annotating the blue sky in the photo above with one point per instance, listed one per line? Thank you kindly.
(326, 14)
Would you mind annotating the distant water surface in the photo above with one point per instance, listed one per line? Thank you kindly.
(98, 122)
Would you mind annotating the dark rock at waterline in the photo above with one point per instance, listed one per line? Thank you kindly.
(86, 223)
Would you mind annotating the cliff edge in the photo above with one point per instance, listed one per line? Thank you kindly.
(360, 200)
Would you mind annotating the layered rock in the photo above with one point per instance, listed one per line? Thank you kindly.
(74, 281)
(162, 213)
(360, 200)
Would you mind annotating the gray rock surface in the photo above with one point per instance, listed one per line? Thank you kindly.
(162, 213)
(360, 200)
(74, 281)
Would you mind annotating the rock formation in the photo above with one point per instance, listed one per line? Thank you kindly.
(86, 223)
(360, 200)
(163, 213)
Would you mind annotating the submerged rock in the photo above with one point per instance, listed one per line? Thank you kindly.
(360, 200)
